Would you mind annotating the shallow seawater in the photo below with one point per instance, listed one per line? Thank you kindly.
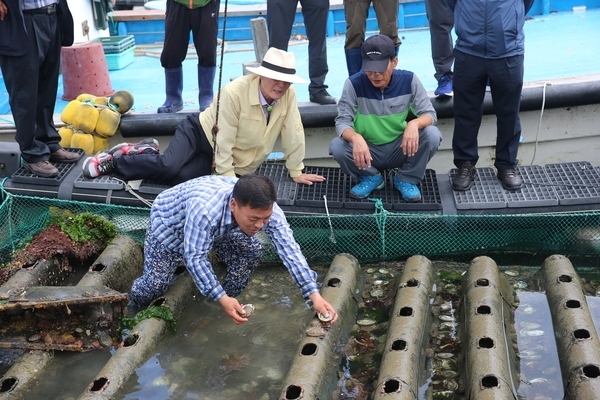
(209, 357)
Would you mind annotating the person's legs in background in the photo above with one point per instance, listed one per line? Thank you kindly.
(205, 27)
(441, 21)
(177, 37)
(356, 12)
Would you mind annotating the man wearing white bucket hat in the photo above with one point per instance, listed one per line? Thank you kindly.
(254, 110)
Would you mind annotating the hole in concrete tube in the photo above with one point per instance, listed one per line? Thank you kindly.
(399, 344)
(484, 310)
(391, 386)
(98, 267)
(406, 312)
(309, 349)
(573, 304)
(489, 381)
(158, 302)
(293, 392)
(486, 343)
(482, 282)
(581, 334)
(99, 384)
(8, 384)
(565, 279)
(412, 282)
(334, 282)
(180, 269)
(130, 340)
(591, 371)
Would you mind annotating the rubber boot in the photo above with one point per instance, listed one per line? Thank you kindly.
(173, 88)
(206, 80)
(353, 60)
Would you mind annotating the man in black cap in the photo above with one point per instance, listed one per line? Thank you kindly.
(374, 133)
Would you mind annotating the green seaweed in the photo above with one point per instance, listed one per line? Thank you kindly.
(158, 312)
(450, 277)
(84, 227)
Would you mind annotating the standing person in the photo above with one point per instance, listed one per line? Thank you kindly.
(31, 36)
(490, 45)
(373, 131)
(356, 12)
(254, 111)
(224, 215)
(202, 18)
(441, 21)
(280, 18)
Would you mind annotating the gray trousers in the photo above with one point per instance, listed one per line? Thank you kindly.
(389, 156)
(441, 21)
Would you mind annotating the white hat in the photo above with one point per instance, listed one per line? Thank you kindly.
(279, 65)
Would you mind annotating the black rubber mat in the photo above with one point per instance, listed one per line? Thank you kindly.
(23, 175)
(537, 190)
(103, 182)
(149, 187)
(574, 183)
(486, 192)
(286, 187)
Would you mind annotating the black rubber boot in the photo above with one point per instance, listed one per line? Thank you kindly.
(173, 88)
(206, 80)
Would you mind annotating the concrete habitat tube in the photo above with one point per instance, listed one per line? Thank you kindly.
(574, 330)
(399, 370)
(489, 357)
(312, 369)
(141, 343)
(122, 261)
(119, 264)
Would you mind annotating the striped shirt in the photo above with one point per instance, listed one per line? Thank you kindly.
(33, 4)
(188, 217)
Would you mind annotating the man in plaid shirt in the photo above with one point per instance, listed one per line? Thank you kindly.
(222, 214)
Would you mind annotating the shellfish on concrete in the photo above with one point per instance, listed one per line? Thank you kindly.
(315, 329)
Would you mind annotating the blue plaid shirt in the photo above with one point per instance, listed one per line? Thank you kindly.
(188, 217)
(33, 4)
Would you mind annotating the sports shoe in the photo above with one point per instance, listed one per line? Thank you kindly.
(465, 177)
(100, 164)
(510, 179)
(367, 184)
(444, 87)
(131, 149)
(410, 193)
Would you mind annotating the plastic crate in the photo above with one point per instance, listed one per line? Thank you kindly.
(120, 60)
(116, 44)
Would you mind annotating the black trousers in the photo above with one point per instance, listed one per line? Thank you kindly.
(280, 18)
(179, 21)
(32, 81)
(188, 156)
(506, 83)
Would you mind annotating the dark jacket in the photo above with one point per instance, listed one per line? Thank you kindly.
(13, 34)
(490, 28)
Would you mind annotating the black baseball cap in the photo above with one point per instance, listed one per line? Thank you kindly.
(377, 51)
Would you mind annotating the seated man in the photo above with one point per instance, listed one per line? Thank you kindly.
(222, 214)
(372, 127)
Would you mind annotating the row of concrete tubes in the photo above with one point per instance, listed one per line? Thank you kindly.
(490, 361)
